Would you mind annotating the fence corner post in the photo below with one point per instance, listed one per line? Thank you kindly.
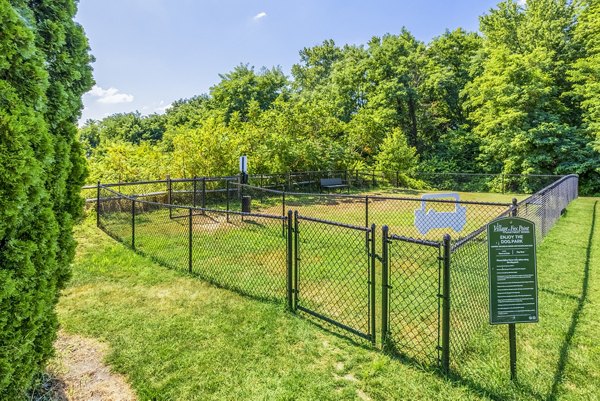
(385, 243)
(515, 210)
(446, 308)
(290, 255)
(98, 205)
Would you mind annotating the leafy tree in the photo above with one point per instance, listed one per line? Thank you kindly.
(445, 75)
(316, 64)
(44, 70)
(395, 154)
(520, 102)
(239, 87)
(394, 74)
(585, 72)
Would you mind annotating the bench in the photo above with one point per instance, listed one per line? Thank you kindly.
(332, 183)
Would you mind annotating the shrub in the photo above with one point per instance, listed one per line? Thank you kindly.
(44, 70)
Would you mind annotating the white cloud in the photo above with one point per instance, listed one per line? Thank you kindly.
(522, 2)
(259, 16)
(162, 107)
(110, 95)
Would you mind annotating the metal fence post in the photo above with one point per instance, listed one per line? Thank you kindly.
(194, 195)
(283, 211)
(367, 211)
(98, 205)
(296, 259)
(372, 285)
(133, 223)
(385, 243)
(203, 203)
(227, 197)
(446, 308)
(169, 195)
(290, 254)
(190, 241)
(367, 222)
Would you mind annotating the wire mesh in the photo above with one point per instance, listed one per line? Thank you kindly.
(432, 218)
(545, 207)
(114, 215)
(246, 254)
(469, 261)
(243, 252)
(469, 291)
(414, 301)
(161, 237)
(333, 274)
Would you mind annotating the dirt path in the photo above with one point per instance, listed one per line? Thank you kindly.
(78, 372)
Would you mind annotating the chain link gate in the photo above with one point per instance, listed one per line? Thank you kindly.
(334, 274)
(416, 298)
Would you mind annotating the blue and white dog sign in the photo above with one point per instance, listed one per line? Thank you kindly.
(428, 218)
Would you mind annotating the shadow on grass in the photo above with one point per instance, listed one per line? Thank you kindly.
(566, 346)
(453, 377)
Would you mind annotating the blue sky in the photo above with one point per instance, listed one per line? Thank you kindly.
(152, 52)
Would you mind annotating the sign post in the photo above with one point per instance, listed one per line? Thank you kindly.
(244, 169)
(512, 277)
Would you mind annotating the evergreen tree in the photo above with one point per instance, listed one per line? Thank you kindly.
(44, 70)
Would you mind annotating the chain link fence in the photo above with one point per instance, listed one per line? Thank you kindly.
(240, 251)
(335, 274)
(323, 261)
(469, 259)
(212, 189)
(413, 275)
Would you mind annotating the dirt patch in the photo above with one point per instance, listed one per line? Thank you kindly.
(78, 372)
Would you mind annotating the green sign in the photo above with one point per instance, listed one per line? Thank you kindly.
(512, 271)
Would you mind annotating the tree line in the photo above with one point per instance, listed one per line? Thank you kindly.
(520, 97)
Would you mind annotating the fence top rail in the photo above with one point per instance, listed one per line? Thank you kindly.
(489, 174)
(125, 184)
(300, 173)
(333, 223)
(191, 208)
(553, 185)
(527, 200)
(395, 237)
(375, 197)
(460, 202)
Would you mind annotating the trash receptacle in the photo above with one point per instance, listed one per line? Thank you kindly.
(246, 204)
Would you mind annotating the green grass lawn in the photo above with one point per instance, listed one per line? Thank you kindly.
(177, 337)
